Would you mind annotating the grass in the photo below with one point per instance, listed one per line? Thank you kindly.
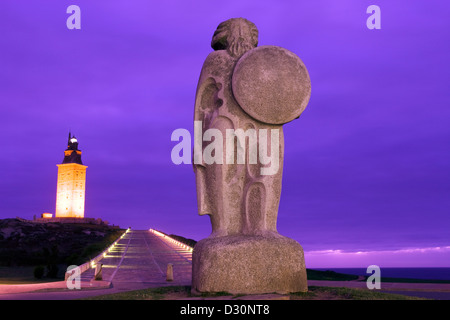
(335, 276)
(408, 280)
(339, 293)
(329, 275)
(24, 274)
(20, 275)
(145, 294)
(314, 293)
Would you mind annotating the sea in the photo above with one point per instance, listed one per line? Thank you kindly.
(411, 273)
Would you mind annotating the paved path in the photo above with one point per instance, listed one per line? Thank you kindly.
(142, 257)
(138, 261)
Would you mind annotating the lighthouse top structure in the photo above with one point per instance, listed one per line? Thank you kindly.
(72, 154)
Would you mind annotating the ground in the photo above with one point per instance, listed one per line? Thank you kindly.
(314, 293)
(135, 269)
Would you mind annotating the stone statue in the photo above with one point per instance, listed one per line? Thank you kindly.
(244, 95)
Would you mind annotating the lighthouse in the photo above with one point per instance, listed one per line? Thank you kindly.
(70, 193)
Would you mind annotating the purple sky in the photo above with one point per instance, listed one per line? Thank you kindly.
(367, 166)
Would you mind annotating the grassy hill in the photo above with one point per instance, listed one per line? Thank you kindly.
(51, 245)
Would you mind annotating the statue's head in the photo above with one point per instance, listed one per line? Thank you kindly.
(237, 36)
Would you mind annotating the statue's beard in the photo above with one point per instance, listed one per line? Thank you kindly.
(237, 47)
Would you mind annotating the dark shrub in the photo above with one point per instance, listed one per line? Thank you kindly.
(74, 258)
(52, 271)
(39, 272)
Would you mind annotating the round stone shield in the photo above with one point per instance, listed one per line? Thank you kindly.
(271, 84)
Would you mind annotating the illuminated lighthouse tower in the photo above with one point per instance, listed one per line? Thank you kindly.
(70, 191)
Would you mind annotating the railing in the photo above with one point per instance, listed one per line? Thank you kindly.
(170, 239)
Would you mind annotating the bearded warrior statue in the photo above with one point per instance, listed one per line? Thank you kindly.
(244, 95)
(240, 89)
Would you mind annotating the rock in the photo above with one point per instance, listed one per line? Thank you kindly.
(251, 265)
(7, 232)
